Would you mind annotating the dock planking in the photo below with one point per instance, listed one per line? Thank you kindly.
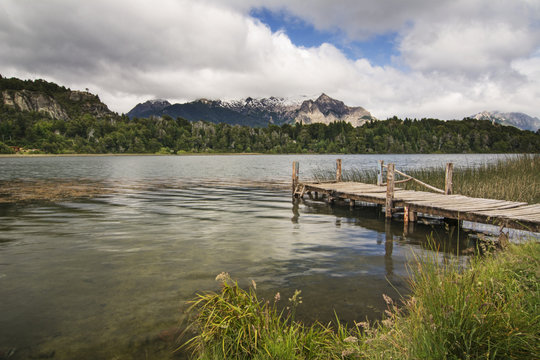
(510, 214)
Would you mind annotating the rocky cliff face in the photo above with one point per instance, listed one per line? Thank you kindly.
(326, 110)
(62, 106)
(26, 100)
(89, 103)
(259, 112)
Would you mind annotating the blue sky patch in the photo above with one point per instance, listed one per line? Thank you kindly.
(379, 49)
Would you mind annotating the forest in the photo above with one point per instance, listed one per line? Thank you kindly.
(91, 128)
(38, 133)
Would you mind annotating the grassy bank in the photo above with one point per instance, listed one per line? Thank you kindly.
(513, 179)
(491, 310)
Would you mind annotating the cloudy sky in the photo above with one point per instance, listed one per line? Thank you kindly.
(416, 58)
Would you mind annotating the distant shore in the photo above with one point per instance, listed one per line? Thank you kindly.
(124, 154)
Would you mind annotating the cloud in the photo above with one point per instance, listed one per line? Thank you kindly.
(456, 57)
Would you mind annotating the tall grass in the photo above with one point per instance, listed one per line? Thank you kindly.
(235, 324)
(513, 179)
(491, 310)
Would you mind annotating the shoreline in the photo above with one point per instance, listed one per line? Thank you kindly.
(133, 154)
(233, 153)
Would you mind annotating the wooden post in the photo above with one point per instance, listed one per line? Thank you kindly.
(412, 216)
(405, 220)
(406, 215)
(448, 179)
(380, 172)
(295, 171)
(389, 190)
(338, 170)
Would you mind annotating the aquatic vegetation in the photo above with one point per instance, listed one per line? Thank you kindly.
(489, 310)
(513, 179)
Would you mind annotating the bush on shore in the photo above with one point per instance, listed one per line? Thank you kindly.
(4, 149)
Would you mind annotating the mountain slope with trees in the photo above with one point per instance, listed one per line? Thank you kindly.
(89, 127)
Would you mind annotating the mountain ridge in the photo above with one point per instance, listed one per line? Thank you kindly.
(516, 119)
(260, 111)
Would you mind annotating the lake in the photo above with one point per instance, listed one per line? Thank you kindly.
(108, 275)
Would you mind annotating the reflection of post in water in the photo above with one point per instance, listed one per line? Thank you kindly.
(388, 248)
(295, 210)
(409, 218)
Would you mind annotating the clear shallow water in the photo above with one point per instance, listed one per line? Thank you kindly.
(107, 277)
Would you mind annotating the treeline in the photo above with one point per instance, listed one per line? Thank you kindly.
(87, 134)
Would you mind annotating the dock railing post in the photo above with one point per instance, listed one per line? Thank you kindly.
(380, 172)
(338, 170)
(389, 190)
(448, 179)
(295, 172)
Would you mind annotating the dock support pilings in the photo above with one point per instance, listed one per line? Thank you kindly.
(389, 190)
(448, 179)
(380, 169)
(295, 173)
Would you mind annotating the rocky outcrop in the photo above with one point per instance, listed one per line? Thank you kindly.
(26, 100)
(68, 105)
(326, 110)
(89, 103)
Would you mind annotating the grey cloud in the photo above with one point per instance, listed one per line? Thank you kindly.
(127, 51)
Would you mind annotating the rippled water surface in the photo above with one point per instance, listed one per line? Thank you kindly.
(107, 276)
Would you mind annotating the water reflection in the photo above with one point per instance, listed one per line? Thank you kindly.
(388, 247)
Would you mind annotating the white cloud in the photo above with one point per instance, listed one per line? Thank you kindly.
(459, 57)
(470, 48)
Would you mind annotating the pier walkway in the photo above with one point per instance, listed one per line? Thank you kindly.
(502, 213)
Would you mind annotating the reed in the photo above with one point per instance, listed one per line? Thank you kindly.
(512, 179)
(235, 324)
(490, 310)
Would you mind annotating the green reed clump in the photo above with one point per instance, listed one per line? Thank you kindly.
(489, 310)
(236, 324)
(512, 178)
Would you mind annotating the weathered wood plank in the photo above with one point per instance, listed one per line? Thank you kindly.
(491, 211)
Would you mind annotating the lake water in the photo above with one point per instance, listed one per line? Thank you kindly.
(109, 276)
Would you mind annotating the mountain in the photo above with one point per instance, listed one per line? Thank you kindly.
(326, 110)
(148, 108)
(56, 101)
(260, 112)
(516, 119)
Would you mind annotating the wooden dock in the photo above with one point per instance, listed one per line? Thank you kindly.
(501, 213)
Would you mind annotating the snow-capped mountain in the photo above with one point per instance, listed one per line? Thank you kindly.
(260, 111)
(516, 119)
(327, 110)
